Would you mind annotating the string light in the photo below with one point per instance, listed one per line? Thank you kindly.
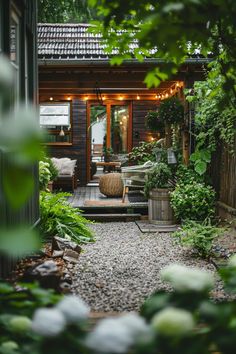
(68, 98)
(51, 98)
(167, 95)
(171, 90)
(121, 98)
(86, 98)
(138, 97)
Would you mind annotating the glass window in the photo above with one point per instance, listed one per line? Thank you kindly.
(55, 118)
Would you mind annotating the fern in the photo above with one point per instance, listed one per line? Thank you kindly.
(59, 218)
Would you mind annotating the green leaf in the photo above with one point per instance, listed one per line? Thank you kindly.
(200, 167)
(18, 185)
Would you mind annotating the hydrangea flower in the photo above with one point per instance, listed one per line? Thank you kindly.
(73, 308)
(20, 323)
(187, 279)
(173, 322)
(48, 322)
(9, 346)
(117, 335)
(232, 261)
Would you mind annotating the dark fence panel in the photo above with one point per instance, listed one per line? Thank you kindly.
(223, 170)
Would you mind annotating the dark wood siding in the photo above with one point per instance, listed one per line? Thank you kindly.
(78, 149)
(140, 109)
(223, 169)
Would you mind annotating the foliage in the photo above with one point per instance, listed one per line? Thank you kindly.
(170, 30)
(157, 177)
(154, 122)
(59, 218)
(187, 175)
(56, 11)
(144, 152)
(193, 201)
(199, 236)
(171, 111)
(44, 175)
(185, 320)
(53, 170)
(214, 122)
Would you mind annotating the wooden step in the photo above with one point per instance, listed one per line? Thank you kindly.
(112, 217)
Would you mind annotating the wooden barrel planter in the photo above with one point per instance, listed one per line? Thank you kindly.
(159, 208)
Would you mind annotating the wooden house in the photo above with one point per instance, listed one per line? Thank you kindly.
(87, 104)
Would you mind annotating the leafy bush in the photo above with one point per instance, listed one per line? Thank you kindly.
(144, 152)
(157, 177)
(44, 175)
(53, 170)
(171, 111)
(199, 236)
(187, 175)
(193, 201)
(59, 218)
(154, 122)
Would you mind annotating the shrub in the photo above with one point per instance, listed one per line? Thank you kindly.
(44, 175)
(157, 177)
(193, 201)
(143, 153)
(199, 236)
(59, 218)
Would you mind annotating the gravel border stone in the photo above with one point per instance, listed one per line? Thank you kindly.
(121, 269)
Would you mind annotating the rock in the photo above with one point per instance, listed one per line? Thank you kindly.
(57, 254)
(71, 256)
(46, 273)
(61, 244)
(65, 287)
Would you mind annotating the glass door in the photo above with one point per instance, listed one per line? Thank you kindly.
(98, 131)
(119, 128)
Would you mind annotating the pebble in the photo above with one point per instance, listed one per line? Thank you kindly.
(122, 268)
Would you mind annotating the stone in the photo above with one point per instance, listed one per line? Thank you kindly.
(71, 256)
(57, 254)
(46, 273)
(60, 244)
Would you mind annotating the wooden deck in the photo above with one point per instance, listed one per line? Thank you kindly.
(89, 198)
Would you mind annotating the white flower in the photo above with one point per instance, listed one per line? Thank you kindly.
(117, 335)
(48, 322)
(187, 279)
(232, 261)
(6, 72)
(73, 308)
(173, 322)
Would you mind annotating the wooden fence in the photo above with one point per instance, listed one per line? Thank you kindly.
(223, 171)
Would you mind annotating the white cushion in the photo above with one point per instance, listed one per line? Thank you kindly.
(65, 166)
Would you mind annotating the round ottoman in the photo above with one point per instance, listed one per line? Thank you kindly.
(111, 185)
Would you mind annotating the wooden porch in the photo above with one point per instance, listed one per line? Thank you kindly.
(96, 206)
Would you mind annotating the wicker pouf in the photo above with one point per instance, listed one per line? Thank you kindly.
(111, 185)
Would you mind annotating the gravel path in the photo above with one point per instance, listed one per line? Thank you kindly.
(119, 270)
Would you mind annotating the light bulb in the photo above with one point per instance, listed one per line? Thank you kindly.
(51, 98)
(138, 97)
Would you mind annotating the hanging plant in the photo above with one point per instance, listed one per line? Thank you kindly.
(171, 111)
(154, 122)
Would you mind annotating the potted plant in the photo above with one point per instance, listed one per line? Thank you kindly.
(47, 174)
(157, 189)
(171, 112)
(154, 122)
